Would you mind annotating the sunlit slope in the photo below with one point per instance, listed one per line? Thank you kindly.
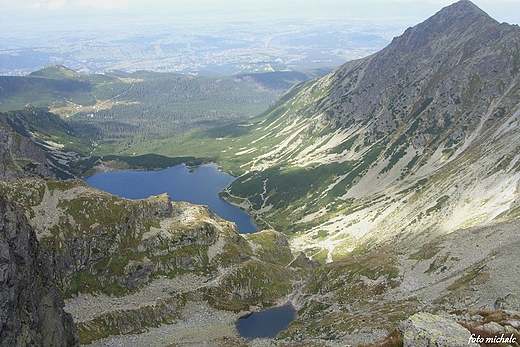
(419, 139)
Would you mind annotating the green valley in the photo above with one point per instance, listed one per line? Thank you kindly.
(132, 113)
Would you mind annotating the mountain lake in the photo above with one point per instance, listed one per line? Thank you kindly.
(199, 185)
(267, 323)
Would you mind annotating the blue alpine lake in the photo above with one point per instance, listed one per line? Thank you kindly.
(200, 185)
(267, 323)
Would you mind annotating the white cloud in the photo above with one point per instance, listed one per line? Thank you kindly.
(56, 4)
(104, 3)
(51, 4)
(415, 10)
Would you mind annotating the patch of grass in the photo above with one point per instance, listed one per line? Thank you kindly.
(285, 185)
(321, 256)
(153, 161)
(83, 282)
(321, 234)
(394, 159)
(438, 264)
(274, 247)
(412, 162)
(394, 339)
(427, 251)
(345, 145)
(438, 205)
(117, 265)
(466, 279)
(417, 186)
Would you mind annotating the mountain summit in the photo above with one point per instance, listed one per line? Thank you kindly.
(419, 138)
(443, 62)
(460, 18)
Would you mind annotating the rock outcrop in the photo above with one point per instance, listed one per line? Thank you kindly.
(31, 311)
(509, 302)
(38, 143)
(97, 242)
(429, 330)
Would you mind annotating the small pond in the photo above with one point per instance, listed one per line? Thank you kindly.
(200, 185)
(267, 323)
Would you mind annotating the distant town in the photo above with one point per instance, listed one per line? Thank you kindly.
(217, 48)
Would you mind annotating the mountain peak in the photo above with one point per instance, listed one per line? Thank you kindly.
(456, 19)
(462, 11)
(54, 71)
(463, 7)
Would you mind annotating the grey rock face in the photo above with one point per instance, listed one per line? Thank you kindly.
(31, 311)
(428, 330)
(438, 77)
(510, 302)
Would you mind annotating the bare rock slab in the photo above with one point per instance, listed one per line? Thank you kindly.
(428, 330)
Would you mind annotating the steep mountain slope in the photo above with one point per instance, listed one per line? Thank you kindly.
(32, 310)
(38, 143)
(417, 140)
(19, 156)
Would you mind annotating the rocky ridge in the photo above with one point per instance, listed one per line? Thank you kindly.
(126, 266)
(37, 143)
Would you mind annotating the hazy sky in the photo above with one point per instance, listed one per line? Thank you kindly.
(69, 26)
(17, 12)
